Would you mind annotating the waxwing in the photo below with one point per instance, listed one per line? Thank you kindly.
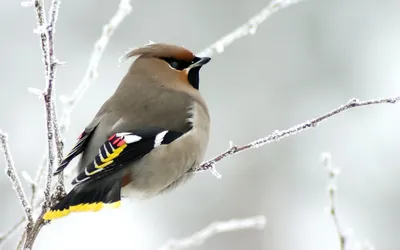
(146, 136)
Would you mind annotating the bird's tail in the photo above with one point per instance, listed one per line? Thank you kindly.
(87, 197)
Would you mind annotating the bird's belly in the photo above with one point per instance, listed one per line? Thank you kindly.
(164, 167)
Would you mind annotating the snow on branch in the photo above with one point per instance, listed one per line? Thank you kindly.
(280, 134)
(198, 238)
(16, 183)
(248, 28)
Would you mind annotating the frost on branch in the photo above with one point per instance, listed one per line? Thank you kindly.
(46, 31)
(346, 239)
(248, 28)
(91, 73)
(280, 134)
(198, 238)
(16, 183)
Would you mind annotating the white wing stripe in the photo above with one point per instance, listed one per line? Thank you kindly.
(159, 138)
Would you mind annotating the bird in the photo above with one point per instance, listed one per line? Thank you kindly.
(145, 138)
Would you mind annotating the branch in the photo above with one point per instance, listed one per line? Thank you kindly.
(46, 37)
(250, 27)
(345, 238)
(38, 179)
(46, 30)
(280, 134)
(16, 183)
(333, 173)
(51, 63)
(6, 236)
(91, 73)
(198, 238)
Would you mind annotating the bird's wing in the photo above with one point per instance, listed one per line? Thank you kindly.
(123, 148)
(80, 145)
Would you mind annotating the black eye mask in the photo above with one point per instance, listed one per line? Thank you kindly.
(177, 64)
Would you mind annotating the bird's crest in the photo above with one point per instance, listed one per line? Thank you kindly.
(160, 50)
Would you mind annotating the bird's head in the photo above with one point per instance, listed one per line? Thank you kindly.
(170, 64)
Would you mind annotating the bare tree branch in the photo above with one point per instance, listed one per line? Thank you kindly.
(280, 134)
(198, 238)
(46, 37)
(53, 63)
(46, 31)
(91, 73)
(248, 28)
(16, 183)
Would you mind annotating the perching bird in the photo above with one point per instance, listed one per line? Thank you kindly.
(145, 137)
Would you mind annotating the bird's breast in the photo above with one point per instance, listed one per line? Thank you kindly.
(167, 165)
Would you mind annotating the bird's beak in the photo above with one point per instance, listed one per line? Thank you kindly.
(200, 62)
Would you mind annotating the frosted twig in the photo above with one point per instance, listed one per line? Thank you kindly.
(53, 63)
(280, 134)
(250, 27)
(198, 238)
(91, 73)
(29, 179)
(333, 173)
(46, 30)
(6, 236)
(29, 3)
(36, 92)
(347, 242)
(16, 183)
(38, 177)
(49, 62)
(41, 20)
(123, 10)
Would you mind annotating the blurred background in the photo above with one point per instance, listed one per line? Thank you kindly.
(302, 62)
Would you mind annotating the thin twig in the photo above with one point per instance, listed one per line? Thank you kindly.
(38, 179)
(41, 19)
(198, 238)
(48, 59)
(346, 239)
(16, 183)
(7, 236)
(91, 73)
(53, 63)
(333, 173)
(248, 28)
(280, 134)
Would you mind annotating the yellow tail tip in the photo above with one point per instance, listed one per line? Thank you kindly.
(55, 214)
(85, 207)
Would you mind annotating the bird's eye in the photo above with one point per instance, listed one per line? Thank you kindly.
(176, 64)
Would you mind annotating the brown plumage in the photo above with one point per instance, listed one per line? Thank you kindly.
(157, 50)
(161, 123)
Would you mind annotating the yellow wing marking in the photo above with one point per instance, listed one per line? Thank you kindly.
(107, 161)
